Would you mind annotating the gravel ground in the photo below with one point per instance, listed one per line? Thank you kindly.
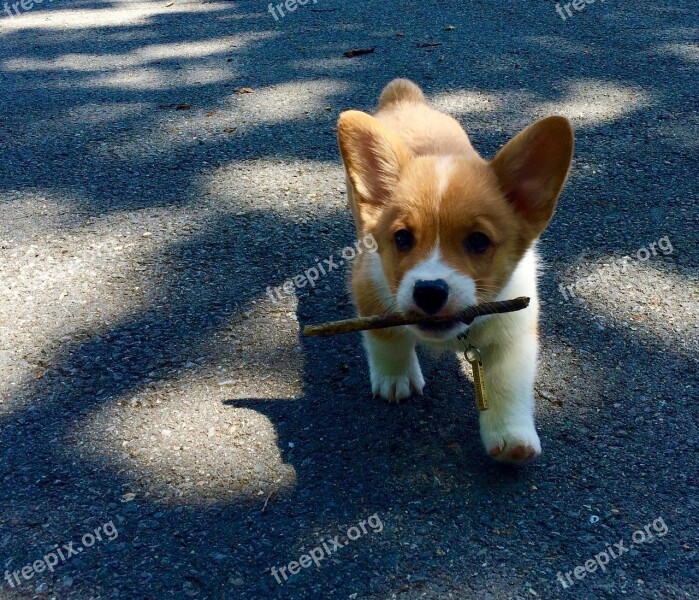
(150, 386)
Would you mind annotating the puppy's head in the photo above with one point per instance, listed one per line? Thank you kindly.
(451, 229)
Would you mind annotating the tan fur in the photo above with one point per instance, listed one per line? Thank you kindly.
(400, 90)
(390, 160)
(412, 169)
(426, 131)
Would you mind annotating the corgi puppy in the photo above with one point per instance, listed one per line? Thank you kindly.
(452, 230)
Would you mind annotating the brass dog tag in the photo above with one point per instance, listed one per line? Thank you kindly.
(473, 356)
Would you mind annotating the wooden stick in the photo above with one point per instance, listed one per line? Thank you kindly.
(397, 320)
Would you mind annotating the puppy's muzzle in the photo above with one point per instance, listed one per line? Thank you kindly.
(431, 296)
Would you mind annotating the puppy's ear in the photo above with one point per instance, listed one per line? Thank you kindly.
(373, 157)
(532, 168)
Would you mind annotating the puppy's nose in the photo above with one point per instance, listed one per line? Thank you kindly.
(430, 296)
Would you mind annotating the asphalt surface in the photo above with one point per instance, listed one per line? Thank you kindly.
(151, 389)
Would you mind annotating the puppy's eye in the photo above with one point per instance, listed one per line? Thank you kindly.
(404, 240)
(476, 242)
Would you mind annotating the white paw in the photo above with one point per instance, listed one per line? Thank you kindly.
(394, 368)
(515, 442)
(395, 388)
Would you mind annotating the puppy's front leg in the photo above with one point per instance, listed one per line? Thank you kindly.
(507, 427)
(393, 365)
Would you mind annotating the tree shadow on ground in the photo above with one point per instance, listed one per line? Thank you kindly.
(418, 466)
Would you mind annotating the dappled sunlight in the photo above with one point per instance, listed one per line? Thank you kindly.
(646, 297)
(163, 435)
(238, 114)
(157, 79)
(151, 67)
(287, 188)
(124, 13)
(290, 101)
(460, 103)
(585, 103)
(186, 448)
(685, 51)
(171, 185)
(146, 55)
(85, 275)
(592, 102)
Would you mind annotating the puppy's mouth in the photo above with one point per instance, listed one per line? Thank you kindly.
(436, 327)
(440, 331)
